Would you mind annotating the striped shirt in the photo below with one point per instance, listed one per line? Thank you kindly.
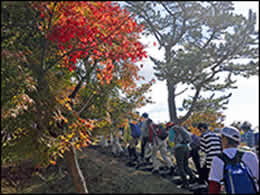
(210, 144)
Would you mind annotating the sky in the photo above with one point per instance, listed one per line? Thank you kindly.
(244, 102)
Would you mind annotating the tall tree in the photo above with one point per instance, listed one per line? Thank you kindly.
(47, 41)
(204, 43)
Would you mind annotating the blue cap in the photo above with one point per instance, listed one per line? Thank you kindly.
(145, 115)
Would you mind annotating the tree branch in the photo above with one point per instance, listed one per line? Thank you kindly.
(86, 104)
(194, 101)
(181, 92)
(156, 33)
(46, 42)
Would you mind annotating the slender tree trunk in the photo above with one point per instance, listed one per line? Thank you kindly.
(75, 171)
(71, 157)
(171, 103)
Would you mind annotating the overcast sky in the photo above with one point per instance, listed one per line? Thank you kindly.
(244, 102)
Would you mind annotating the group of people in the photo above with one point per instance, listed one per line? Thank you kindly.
(216, 148)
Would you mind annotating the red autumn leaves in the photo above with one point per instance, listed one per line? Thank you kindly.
(100, 30)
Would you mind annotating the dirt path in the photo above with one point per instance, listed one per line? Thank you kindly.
(107, 174)
(103, 172)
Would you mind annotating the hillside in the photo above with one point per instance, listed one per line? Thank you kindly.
(104, 174)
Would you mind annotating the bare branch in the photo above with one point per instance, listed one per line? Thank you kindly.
(177, 94)
(194, 101)
(86, 104)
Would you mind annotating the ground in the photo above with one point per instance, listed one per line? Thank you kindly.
(103, 172)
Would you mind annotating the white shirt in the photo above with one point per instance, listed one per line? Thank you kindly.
(217, 166)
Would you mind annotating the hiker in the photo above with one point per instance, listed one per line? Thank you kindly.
(248, 135)
(159, 143)
(210, 146)
(132, 134)
(144, 137)
(169, 128)
(241, 183)
(103, 141)
(181, 140)
(117, 150)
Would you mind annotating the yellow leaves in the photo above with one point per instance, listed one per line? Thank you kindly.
(78, 137)
(213, 119)
(84, 144)
(65, 120)
(60, 154)
(125, 123)
(53, 162)
(51, 122)
(99, 77)
(63, 100)
(195, 131)
(81, 134)
(70, 136)
(67, 105)
(77, 146)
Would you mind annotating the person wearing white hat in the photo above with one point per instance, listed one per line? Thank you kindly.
(230, 141)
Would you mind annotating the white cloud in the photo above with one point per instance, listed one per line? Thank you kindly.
(244, 103)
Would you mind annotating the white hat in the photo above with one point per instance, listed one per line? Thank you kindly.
(232, 133)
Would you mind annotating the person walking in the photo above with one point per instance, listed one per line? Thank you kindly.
(132, 135)
(230, 140)
(144, 135)
(248, 135)
(159, 143)
(181, 140)
(117, 150)
(194, 152)
(210, 146)
(169, 128)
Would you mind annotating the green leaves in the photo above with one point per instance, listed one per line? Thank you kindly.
(210, 39)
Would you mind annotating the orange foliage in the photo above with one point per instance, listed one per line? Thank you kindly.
(213, 119)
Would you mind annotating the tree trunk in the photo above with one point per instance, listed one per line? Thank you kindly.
(171, 103)
(75, 171)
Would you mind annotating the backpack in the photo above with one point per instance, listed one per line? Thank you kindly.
(162, 133)
(136, 130)
(237, 177)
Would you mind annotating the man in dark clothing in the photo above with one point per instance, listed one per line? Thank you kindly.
(194, 152)
(144, 134)
(182, 139)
